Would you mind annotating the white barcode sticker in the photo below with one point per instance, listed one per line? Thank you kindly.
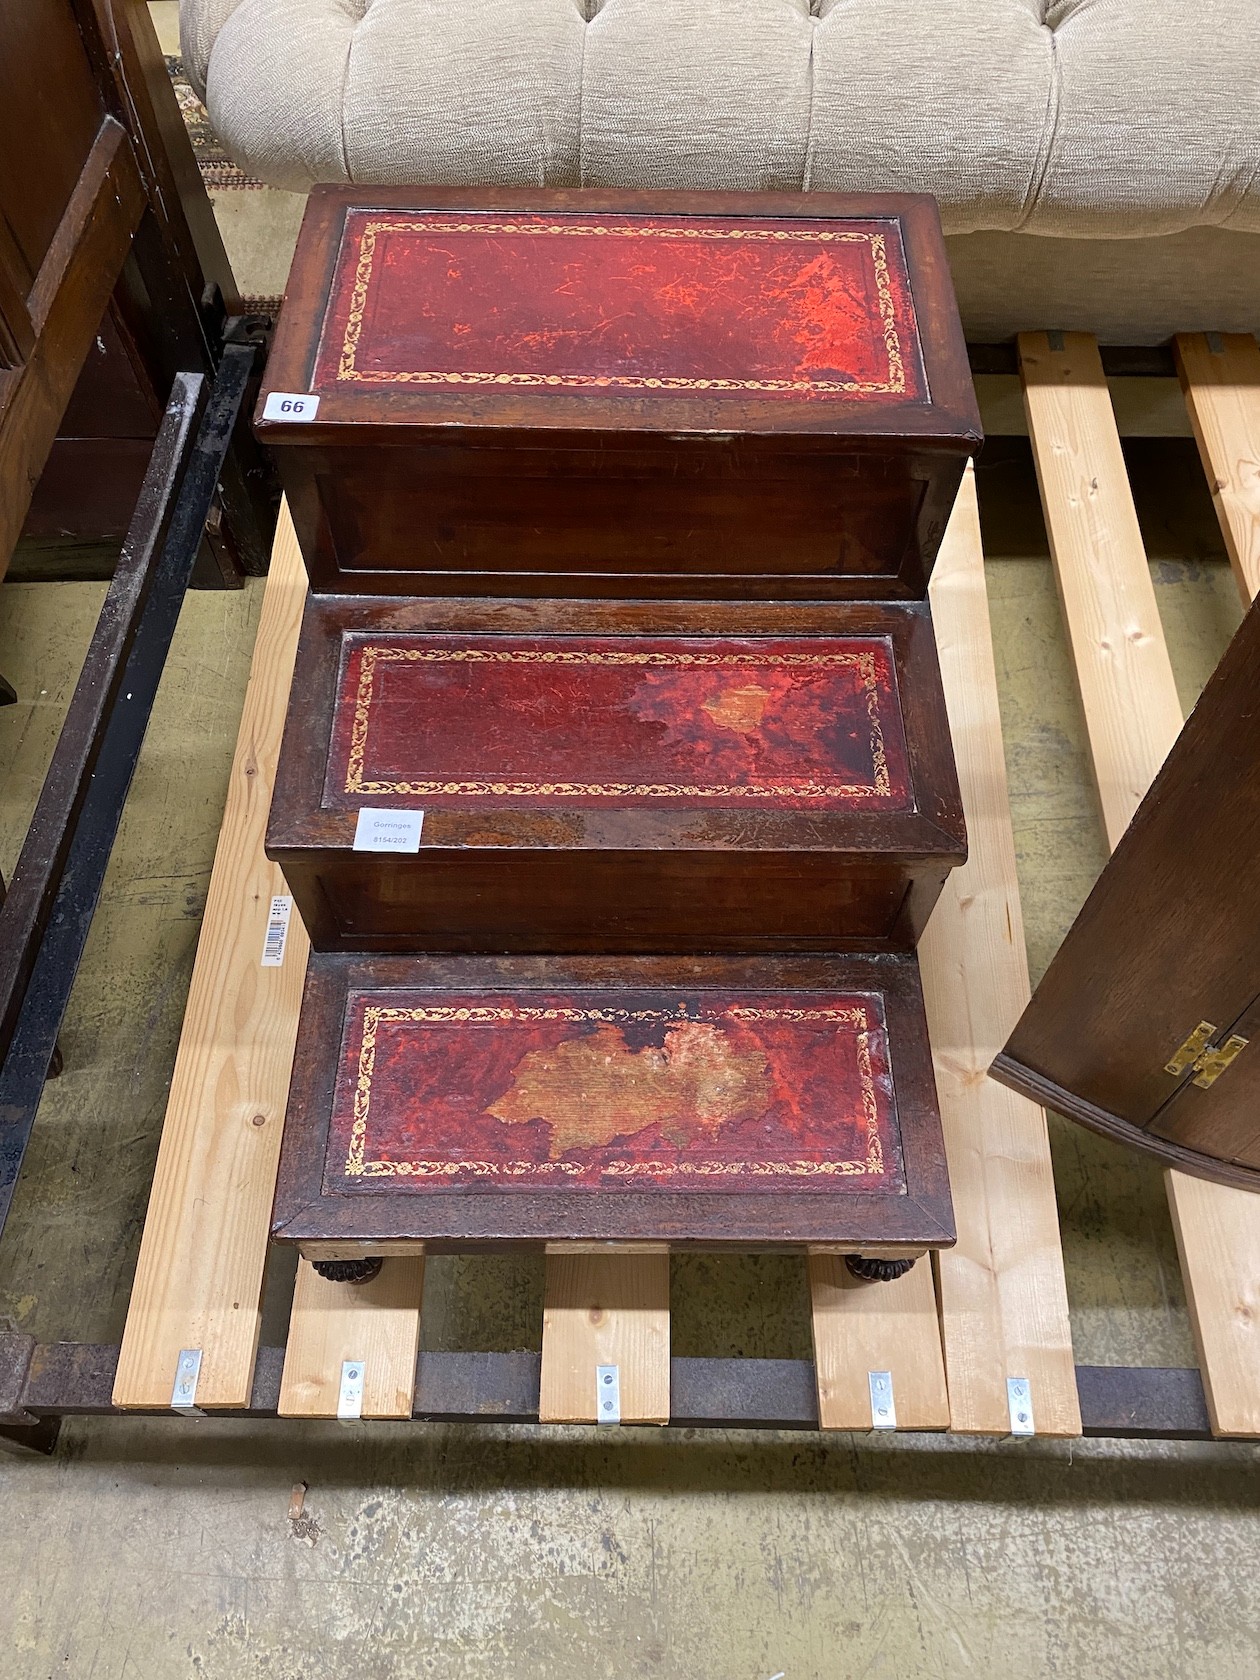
(388, 831)
(290, 405)
(277, 931)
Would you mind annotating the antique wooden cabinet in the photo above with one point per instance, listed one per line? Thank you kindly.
(599, 777)
(517, 391)
(1146, 1026)
(465, 1103)
(106, 236)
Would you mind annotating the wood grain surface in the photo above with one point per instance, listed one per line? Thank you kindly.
(605, 1309)
(1218, 1243)
(198, 1281)
(1133, 718)
(1220, 376)
(1132, 713)
(862, 1327)
(377, 1323)
(1003, 1299)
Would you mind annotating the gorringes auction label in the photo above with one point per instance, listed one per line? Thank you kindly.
(388, 831)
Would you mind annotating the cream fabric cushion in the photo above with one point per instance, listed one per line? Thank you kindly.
(1077, 119)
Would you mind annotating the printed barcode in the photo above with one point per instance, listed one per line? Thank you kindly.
(277, 932)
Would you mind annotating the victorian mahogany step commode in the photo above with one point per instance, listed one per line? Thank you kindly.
(617, 786)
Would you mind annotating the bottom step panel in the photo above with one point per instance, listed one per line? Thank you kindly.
(469, 1103)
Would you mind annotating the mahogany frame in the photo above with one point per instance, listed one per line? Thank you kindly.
(366, 435)
(908, 854)
(337, 1226)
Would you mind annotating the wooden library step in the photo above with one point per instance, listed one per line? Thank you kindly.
(466, 1103)
(549, 412)
(605, 777)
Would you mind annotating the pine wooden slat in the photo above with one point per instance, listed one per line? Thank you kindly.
(376, 1322)
(1003, 1298)
(863, 1327)
(1132, 713)
(1218, 1226)
(1218, 1243)
(605, 1309)
(1220, 377)
(198, 1281)
(1133, 719)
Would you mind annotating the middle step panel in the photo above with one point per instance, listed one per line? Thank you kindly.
(616, 778)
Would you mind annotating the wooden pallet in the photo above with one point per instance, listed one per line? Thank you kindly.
(951, 1339)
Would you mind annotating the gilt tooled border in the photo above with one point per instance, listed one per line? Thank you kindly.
(894, 385)
(357, 1166)
(370, 655)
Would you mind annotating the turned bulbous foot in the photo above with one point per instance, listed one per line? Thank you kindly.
(348, 1271)
(876, 1271)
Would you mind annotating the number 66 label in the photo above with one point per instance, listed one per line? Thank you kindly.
(290, 405)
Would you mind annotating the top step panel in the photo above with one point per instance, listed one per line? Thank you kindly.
(522, 392)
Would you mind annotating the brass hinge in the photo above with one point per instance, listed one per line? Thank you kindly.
(1212, 1063)
(1191, 1049)
(1207, 1064)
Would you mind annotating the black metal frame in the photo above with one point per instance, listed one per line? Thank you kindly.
(1119, 361)
(46, 914)
(44, 923)
(42, 1383)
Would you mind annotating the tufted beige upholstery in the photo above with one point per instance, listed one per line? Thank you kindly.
(1134, 123)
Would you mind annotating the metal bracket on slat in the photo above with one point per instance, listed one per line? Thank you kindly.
(608, 1394)
(883, 1411)
(1215, 343)
(184, 1392)
(350, 1394)
(1019, 1406)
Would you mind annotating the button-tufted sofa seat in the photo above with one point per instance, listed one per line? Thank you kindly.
(1097, 161)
